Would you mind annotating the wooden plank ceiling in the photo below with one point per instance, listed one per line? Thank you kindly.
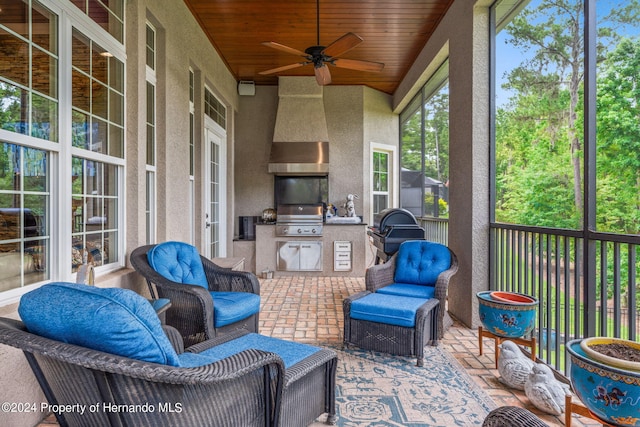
(394, 33)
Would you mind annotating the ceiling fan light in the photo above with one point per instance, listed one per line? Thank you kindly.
(323, 75)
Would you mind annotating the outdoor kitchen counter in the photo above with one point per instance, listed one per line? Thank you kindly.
(355, 234)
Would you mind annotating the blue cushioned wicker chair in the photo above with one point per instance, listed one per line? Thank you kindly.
(404, 305)
(206, 300)
(420, 269)
(106, 348)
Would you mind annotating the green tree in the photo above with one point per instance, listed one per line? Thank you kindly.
(618, 140)
(543, 121)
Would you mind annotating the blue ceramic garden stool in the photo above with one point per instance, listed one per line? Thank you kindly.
(392, 324)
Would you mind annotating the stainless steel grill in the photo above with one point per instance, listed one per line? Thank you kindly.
(390, 228)
(299, 220)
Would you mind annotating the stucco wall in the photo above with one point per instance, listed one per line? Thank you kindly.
(181, 44)
(352, 113)
(462, 37)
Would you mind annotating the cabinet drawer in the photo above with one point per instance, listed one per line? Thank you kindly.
(342, 256)
(342, 246)
(343, 265)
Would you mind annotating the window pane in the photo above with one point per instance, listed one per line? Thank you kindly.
(24, 207)
(80, 129)
(99, 99)
(44, 118)
(95, 212)
(14, 58)
(80, 46)
(617, 124)
(151, 42)
(81, 92)
(14, 103)
(539, 140)
(45, 68)
(116, 108)
(116, 141)
(425, 149)
(16, 17)
(45, 31)
(98, 92)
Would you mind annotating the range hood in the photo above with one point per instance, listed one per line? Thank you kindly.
(300, 137)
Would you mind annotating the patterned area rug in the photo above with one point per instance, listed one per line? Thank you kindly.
(377, 389)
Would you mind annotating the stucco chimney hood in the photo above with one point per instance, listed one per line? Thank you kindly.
(300, 138)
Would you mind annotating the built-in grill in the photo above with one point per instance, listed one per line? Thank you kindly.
(304, 222)
(299, 220)
(390, 228)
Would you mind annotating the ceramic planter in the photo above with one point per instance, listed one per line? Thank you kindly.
(511, 316)
(610, 393)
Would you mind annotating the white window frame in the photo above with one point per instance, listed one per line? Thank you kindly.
(151, 170)
(392, 152)
(60, 153)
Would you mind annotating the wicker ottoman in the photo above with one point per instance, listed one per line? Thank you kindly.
(390, 323)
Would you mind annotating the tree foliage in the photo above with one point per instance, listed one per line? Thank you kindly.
(539, 132)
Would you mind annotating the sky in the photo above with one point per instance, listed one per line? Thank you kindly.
(508, 57)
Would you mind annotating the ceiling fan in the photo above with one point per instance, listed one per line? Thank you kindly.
(320, 56)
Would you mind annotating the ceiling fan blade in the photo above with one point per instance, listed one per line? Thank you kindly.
(323, 75)
(284, 48)
(342, 45)
(286, 67)
(354, 64)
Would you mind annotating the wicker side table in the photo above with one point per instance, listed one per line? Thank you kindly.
(392, 339)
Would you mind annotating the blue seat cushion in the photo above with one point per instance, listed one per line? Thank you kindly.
(408, 290)
(387, 309)
(230, 307)
(290, 352)
(112, 320)
(419, 262)
(178, 262)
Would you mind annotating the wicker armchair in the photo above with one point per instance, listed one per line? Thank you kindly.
(105, 349)
(512, 416)
(193, 311)
(166, 395)
(378, 278)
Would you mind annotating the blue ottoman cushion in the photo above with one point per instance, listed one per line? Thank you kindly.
(387, 309)
(231, 307)
(290, 352)
(408, 290)
(113, 320)
(420, 262)
(178, 262)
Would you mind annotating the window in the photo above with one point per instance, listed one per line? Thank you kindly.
(425, 149)
(380, 181)
(540, 116)
(97, 98)
(150, 182)
(382, 173)
(215, 109)
(41, 156)
(24, 216)
(192, 190)
(109, 14)
(29, 71)
(95, 192)
(617, 125)
(97, 123)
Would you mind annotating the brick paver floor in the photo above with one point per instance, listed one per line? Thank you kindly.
(309, 309)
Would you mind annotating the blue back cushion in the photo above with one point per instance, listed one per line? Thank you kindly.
(419, 262)
(179, 262)
(113, 320)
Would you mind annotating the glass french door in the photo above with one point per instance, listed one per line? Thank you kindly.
(215, 191)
